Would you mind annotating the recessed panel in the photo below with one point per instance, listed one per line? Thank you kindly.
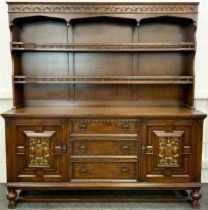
(164, 64)
(160, 95)
(166, 29)
(44, 63)
(103, 64)
(40, 30)
(103, 30)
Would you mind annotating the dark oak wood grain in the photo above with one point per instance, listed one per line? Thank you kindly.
(103, 100)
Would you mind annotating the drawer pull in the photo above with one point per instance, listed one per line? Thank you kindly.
(82, 148)
(125, 170)
(125, 148)
(83, 126)
(83, 170)
(125, 126)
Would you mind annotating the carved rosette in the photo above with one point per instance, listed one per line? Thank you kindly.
(168, 148)
(39, 152)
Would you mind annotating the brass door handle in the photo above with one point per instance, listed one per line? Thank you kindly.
(59, 150)
(143, 148)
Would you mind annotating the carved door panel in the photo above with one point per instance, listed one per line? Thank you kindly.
(167, 151)
(41, 153)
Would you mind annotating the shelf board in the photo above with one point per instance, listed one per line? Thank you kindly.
(102, 111)
(114, 80)
(126, 47)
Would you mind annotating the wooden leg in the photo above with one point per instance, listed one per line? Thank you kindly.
(11, 197)
(195, 195)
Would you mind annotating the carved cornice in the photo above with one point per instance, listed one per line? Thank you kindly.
(102, 9)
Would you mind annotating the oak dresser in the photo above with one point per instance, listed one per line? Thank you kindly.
(103, 98)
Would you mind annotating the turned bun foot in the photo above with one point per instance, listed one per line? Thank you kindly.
(195, 195)
(11, 197)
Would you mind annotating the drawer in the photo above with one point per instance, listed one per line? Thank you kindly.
(104, 170)
(103, 126)
(104, 147)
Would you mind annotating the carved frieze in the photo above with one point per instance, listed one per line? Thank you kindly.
(101, 8)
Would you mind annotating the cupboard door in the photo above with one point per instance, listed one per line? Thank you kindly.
(167, 152)
(41, 152)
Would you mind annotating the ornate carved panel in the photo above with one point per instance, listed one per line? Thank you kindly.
(39, 154)
(167, 151)
(41, 150)
(168, 148)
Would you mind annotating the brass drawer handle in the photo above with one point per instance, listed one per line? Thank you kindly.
(125, 170)
(125, 126)
(143, 148)
(83, 126)
(83, 170)
(125, 148)
(82, 148)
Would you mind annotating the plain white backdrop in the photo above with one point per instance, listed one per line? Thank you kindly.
(201, 72)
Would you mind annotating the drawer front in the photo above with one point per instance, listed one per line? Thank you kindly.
(103, 126)
(104, 147)
(104, 170)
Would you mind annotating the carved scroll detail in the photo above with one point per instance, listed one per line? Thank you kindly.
(39, 148)
(168, 148)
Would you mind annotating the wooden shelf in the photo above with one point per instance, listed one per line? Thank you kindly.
(103, 79)
(126, 47)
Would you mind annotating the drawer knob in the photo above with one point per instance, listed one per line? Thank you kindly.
(83, 126)
(125, 170)
(125, 126)
(125, 148)
(83, 170)
(82, 148)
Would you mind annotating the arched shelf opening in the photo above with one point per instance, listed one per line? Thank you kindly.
(101, 29)
(166, 29)
(39, 29)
